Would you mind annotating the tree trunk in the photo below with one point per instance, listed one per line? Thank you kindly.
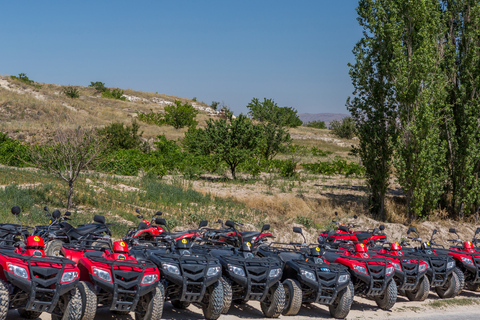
(70, 195)
(232, 169)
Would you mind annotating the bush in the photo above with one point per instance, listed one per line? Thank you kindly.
(214, 105)
(71, 92)
(114, 94)
(344, 128)
(152, 118)
(337, 166)
(180, 115)
(120, 136)
(99, 86)
(23, 78)
(319, 152)
(317, 124)
(305, 221)
(13, 152)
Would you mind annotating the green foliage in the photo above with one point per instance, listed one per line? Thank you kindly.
(120, 136)
(180, 115)
(319, 152)
(99, 86)
(23, 78)
(269, 111)
(344, 128)
(114, 94)
(214, 105)
(152, 118)
(337, 166)
(307, 222)
(13, 152)
(317, 124)
(71, 92)
(194, 99)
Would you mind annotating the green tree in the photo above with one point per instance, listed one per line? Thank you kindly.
(274, 121)
(180, 115)
(317, 124)
(344, 128)
(232, 140)
(120, 136)
(269, 111)
(99, 86)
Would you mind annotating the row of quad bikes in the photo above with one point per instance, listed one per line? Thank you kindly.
(70, 272)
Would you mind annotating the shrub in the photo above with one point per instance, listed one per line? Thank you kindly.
(71, 92)
(214, 105)
(114, 94)
(344, 128)
(23, 78)
(120, 136)
(316, 124)
(337, 166)
(99, 86)
(319, 152)
(305, 221)
(180, 115)
(13, 152)
(152, 118)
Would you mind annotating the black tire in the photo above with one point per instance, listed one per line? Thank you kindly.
(227, 295)
(273, 305)
(293, 297)
(213, 301)
(180, 305)
(53, 248)
(340, 308)
(89, 300)
(473, 286)
(420, 293)
(387, 300)
(450, 287)
(99, 244)
(69, 306)
(4, 300)
(152, 305)
(27, 314)
(461, 279)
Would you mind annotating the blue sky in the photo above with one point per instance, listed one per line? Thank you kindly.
(295, 52)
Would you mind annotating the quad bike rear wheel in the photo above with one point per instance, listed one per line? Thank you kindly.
(69, 306)
(387, 300)
(27, 314)
(4, 300)
(274, 303)
(293, 297)
(450, 287)
(53, 248)
(151, 305)
(340, 308)
(420, 293)
(461, 278)
(227, 294)
(213, 301)
(89, 300)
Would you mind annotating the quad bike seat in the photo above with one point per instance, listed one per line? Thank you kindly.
(286, 256)
(83, 230)
(363, 236)
(93, 253)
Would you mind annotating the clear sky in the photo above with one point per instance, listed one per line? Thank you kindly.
(295, 52)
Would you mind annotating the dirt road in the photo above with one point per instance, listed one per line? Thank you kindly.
(462, 307)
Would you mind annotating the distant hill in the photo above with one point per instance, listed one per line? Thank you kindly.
(327, 117)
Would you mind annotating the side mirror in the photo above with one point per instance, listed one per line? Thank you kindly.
(137, 211)
(202, 224)
(265, 227)
(336, 213)
(16, 210)
(297, 230)
(68, 214)
(382, 227)
(477, 231)
(411, 229)
(355, 217)
(98, 218)
(230, 224)
(160, 222)
(56, 214)
(158, 213)
(452, 230)
(45, 208)
(434, 232)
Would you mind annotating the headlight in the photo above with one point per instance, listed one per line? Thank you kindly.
(467, 261)
(238, 271)
(307, 274)
(390, 270)
(213, 271)
(397, 266)
(149, 278)
(102, 274)
(343, 278)
(274, 273)
(171, 268)
(422, 267)
(360, 269)
(69, 276)
(450, 265)
(18, 271)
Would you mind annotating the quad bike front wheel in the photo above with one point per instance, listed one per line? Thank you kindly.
(89, 300)
(340, 308)
(227, 294)
(151, 305)
(387, 300)
(461, 279)
(4, 300)
(420, 293)
(274, 303)
(213, 301)
(53, 248)
(450, 288)
(69, 306)
(293, 297)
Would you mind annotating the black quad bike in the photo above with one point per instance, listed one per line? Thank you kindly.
(307, 278)
(245, 276)
(447, 279)
(33, 282)
(59, 232)
(187, 277)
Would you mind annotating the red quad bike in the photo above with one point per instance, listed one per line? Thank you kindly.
(410, 272)
(146, 230)
(255, 238)
(343, 233)
(114, 279)
(372, 277)
(32, 282)
(467, 260)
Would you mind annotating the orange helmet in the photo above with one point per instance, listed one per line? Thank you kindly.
(120, 247)
(360, 247)
(395, 246)
(35, 242)
(468, 246)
